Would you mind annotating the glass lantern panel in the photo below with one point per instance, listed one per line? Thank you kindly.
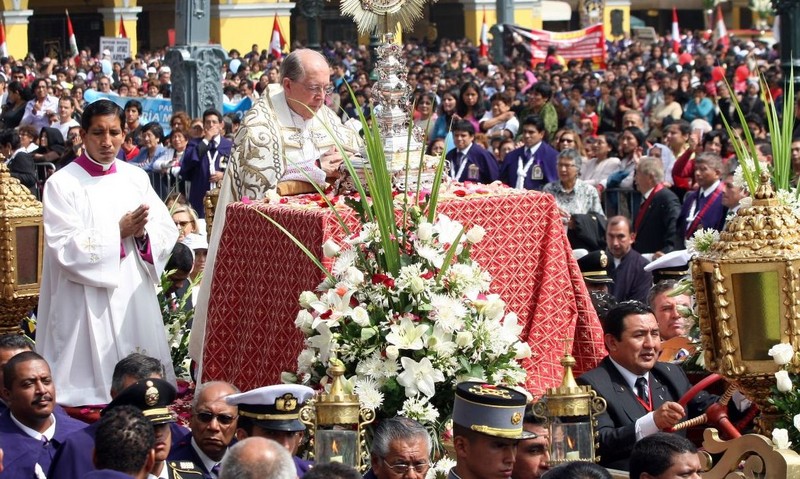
(712, 308)
(27, 250)
(758, 313)
(571, 441)
(336, 445)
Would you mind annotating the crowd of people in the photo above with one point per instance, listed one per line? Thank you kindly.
(634, 154)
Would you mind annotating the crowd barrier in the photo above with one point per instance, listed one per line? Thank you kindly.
(621, 201)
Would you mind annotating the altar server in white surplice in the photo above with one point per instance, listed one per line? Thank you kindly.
(107, 238)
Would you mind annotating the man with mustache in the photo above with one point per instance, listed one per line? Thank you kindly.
(641, 393)
(30, 433)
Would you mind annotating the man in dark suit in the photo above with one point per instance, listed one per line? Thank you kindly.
(213, 426)
(468, 160)
(654, 225)
(534, 164)
(19, 162)
(641, 393)
(626, 268)
(703, 208)
(29, 431)
(205, 159)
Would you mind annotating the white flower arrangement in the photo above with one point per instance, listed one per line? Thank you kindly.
(786, 396)
(406, 339)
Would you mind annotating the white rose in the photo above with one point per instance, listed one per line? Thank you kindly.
(796, 421)
(330, 248)
(783, 380)
(475, 234)
(425, 231)
(522, 350)
(392, 352)
(416, 285)
(781, 353)
(306, 298)
(304, 321)
(360, 316)
(464, 339)
(780, 438)
(354, 276)
(494, 309)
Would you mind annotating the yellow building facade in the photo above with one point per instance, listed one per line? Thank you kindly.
(241, 23)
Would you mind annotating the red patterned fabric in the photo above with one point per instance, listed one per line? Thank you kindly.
(260, 272)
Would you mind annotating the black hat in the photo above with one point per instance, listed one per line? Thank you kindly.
(152, 396)
(492, 410)
(275, 408)
(593, 267)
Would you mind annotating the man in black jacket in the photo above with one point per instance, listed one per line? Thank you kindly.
(654, 225)
(19, 162)
(641, 393)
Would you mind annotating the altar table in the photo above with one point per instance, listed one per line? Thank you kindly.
(260, 272)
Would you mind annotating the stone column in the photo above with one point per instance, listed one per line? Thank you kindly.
(311, 11)
(16, 22)
(196, 66)
(789, 11)
(129, 15)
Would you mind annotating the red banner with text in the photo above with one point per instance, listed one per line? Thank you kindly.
(588, 43)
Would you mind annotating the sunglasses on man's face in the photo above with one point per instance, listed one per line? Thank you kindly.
(207, 417)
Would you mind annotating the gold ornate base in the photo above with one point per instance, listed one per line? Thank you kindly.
(749, 457)
(13, 312)
(757, 389)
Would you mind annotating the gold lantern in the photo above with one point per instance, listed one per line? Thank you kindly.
(748, 296)
(210, 201)
(571, 412)
(337, 423)
(21, 248)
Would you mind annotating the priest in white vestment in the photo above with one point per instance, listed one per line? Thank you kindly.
(287, 130)
(107, 238)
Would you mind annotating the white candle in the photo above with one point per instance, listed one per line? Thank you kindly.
(573, 456)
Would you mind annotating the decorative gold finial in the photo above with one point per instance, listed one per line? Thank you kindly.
(764, 190)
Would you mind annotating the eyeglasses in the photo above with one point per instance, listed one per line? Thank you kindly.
(207, 417)
(403, 467)
(567, 140)
(182, 224)
(318, 89)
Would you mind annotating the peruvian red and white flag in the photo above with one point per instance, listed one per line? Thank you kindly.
(484, 52)
(122, 32)
(721, 31)
(277, 43)
(3, 44)
(73, 43)
(676, 32)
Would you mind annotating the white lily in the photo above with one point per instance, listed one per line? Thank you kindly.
(407, 334)
(419, 377)
(323, 342)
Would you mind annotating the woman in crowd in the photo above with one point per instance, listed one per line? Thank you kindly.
(170, 164)
(153, 152)
(180, 121)
(425, 113)
(670, 108)
(28, 138)
(435, 147)
(470, 104)
(602, 160)
(14, 109)
(447, 110)
(51, 145)
(627, 102)
(569, 139)
(573, 196)
(185, 220)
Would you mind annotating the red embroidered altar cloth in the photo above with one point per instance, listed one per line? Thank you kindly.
(260, 272)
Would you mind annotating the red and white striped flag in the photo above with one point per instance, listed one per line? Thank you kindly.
(721, 31)
(3, 44)
(484, 52)
(277, 42)
(676, 32)
(73, 43)
(122, 32)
